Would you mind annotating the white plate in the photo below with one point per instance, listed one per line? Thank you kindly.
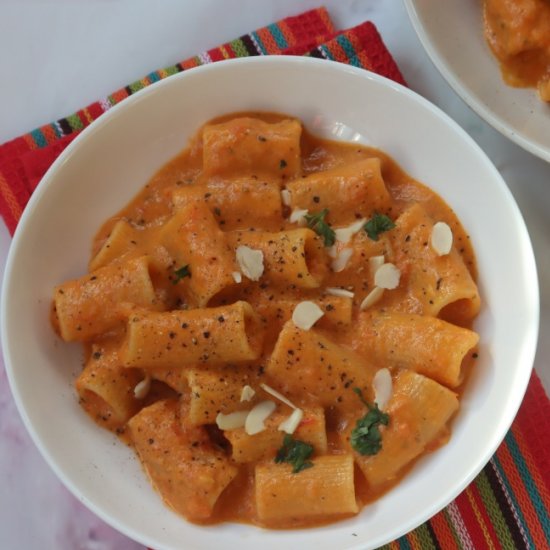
(451, 31)
(103, 169)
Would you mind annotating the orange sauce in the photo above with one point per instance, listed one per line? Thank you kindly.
(518, 32)
(152, 207)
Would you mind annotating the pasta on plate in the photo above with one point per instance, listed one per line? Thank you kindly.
(279, 325)
(518, 33)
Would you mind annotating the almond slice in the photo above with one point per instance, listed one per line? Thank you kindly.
(254, 423)
(372, 297)
(251, 262)
(442, 238)
(340, 292)
(231, 421)
(247, 393)
(375, 262)
(341, 261)
(290, 423)
(142, 388)
(387, 276)
(332, 251)
(344, 234)
(383, 387)
(285, 197)
(298, 216)
(278, 395)
(306, 314)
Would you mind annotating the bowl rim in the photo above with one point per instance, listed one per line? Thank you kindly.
(530, 337)
(470, 98)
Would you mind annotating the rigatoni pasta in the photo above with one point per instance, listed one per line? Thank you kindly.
(279, 325)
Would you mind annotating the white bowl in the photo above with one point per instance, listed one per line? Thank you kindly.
(104, 168)
(452, 34)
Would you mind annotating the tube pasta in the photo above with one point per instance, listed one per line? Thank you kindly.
(192, 238)
(322, 491)
(122, 241)
(419, 410)
(426, 345)
(294, 257)
(309, 368)
(106, 387)
(178, 338)
(358, 188)
(251, 147)
(188, 471)
(91, 305)
(264, 445)
(431, 283)
(236, 204)
(217, 389)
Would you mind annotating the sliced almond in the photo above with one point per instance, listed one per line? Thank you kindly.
(247, 393)
(251, 262)
(231, 421)
(142, 388)
(285, 197)
(387, 276)
(290, 423)
(332, 251)
(255, 419)
(340, 292)
(375, 262)
(341, 261)
(298, 216)
(372, 297)
(306, 314)
(344, 234)
(237, 277)
(442, 238)
(277, 395)
(383, 387)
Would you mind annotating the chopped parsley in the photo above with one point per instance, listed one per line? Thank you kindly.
(366, 438)
(282, 164)
(379, 223)
(296, 453)
(321, 227)
(181, 273)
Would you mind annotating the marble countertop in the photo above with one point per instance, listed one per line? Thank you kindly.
(58, 55)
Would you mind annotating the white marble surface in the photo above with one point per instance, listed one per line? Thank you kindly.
(58, 55)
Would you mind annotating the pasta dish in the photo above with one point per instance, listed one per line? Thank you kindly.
(518, 32)
(279, 325)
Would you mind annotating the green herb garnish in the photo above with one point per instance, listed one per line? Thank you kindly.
(181, 273)
(321, 227)
(282, 164)
(296, 453)
(366, 438)
(379, 223)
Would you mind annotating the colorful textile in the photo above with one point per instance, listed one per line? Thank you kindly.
(507, 506)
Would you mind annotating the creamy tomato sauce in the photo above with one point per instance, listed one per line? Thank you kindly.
(150, 211)
(518, 32)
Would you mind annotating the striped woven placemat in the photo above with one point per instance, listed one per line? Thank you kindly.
(507, 506)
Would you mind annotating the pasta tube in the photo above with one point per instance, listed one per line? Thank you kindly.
(426, 345)
(197, 336)
(252, 147)
(294, 257)
(419, 410)
(184, 466)
(325, 490)
(350, 191)
(94, 304)
(193, 238)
